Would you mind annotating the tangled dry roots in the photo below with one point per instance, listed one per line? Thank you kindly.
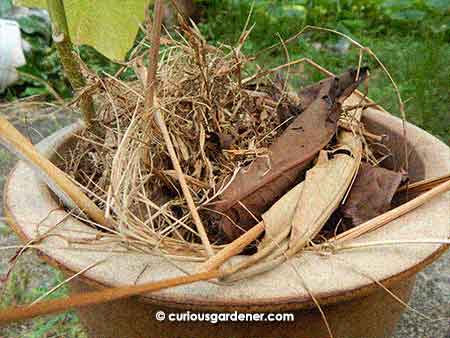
(217, 123)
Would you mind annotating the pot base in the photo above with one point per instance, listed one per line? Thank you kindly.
(373, 316)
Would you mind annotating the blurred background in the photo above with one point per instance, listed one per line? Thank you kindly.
(411, 37)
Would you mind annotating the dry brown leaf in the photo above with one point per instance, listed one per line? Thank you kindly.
(258, 186)
(324, 188)
(278, 218)
(371, 193)
(303, 210)
(277, 224)
(267, 178)
(347, 85)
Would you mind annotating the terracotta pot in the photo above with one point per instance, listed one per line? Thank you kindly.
(344, 283)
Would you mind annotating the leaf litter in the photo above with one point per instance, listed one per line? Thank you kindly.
(264, 181)
(252, 151)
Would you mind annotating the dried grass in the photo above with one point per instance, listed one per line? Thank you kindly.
(216, 125)
(219, 118)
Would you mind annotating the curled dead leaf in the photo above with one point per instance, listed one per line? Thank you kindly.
(371, 193)
(256, 187)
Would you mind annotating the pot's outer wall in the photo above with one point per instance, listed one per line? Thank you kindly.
(32, 210)
(373, 316)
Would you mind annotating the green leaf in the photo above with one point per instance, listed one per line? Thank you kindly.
(293, 10)
(397, 4)
(30, 91)
(5, 7)
(354, 24)
(440, 26)
(110, 26)
(34, 24)
(31, 3)
(4, 228)
(438, 5)
(412, 15)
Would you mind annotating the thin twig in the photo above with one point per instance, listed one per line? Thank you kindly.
(348, 126)
(45, 295)
(21, 146)
(182, 179)
(47, 85)
(234, 247)
(424, 185)
(430, 241)
(153, 55)
(393, 214)
(97, 297)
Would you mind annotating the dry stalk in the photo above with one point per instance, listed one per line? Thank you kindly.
(424, 185)
(153, 54)
(181, 178)
(392, 214)
(427, 241)
(54, 176)
(351, 127)
(59, 285)
(97, 297)
(234, 248)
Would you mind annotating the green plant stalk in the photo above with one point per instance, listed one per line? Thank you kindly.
(71, 67)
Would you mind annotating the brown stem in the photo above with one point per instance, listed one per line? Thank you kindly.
(90, 298)
(150, 106)
(392, 214)
(348, 126)
(182, 179)
(15, 141)
(153, 55)
(424, 185)
(234, 247)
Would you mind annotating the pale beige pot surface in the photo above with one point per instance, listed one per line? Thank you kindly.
(32, 211)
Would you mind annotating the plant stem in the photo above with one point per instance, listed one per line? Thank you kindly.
(151, 107)
(16, 313)
(424, 185)
(71, 67)
(21, 146)
(234, 248)
(153, 55)
(392, 214)
(182, 180)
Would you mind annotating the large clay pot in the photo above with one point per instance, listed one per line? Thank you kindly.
(344, 283)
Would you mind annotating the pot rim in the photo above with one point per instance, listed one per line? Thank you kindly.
(276, 290)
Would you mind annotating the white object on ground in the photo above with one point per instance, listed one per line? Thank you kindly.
(11, 53)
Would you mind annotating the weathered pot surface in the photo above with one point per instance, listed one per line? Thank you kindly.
(31, 209)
